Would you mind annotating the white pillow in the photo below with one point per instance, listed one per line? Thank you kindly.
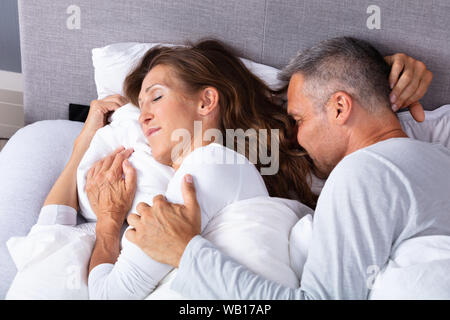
(435, 128)
(113, 62)
(124, 130)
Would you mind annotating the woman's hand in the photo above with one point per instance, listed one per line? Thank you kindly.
(409, 80)
(99, 112)
(109, 194)
(64, 191)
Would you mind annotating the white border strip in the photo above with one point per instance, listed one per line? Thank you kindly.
(12, 81)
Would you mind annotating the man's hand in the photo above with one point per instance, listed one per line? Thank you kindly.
(409, 80)
(164, 230)
(110, 195)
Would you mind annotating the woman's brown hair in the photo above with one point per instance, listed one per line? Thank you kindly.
(245, 102)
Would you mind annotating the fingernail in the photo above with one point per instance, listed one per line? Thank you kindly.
(394, 107)
(393, 98)
(188, 178)
(391, 85)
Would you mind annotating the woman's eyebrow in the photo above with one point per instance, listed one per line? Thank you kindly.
(149, 87)
(155, 84)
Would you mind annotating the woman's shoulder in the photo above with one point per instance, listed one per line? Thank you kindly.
(215, 154)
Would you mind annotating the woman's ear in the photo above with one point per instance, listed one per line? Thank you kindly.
(209, 101)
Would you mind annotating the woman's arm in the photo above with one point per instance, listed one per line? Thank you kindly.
(64, 191)
(409, 80)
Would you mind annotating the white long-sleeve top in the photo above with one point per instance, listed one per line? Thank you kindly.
(374, 199)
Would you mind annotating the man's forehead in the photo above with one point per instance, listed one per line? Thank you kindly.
(294, 94)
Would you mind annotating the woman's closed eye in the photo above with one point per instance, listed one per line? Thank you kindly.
(156, 99)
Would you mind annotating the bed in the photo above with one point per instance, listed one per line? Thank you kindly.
(57, 39)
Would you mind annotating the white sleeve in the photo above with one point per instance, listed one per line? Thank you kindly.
(134, 276)
(57, 214)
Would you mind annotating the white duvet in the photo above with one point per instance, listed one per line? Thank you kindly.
(52, 261)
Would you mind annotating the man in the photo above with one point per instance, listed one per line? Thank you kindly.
(382, 187)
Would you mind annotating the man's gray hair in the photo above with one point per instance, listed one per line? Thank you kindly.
(342, 64)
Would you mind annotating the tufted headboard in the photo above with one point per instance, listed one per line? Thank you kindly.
(57, 36)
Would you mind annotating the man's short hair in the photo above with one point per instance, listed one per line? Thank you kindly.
(342, 64)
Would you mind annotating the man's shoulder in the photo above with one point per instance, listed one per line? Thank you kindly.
(390, 160)
(399, 147)
(356, 165)
(366, 166)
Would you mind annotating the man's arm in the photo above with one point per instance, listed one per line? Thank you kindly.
(355, 224)
(206, 273)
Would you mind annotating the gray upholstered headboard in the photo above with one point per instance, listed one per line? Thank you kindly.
(56, 55)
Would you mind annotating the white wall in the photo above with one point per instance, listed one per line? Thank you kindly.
(11, 104)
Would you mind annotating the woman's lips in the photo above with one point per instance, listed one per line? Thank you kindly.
(151, 131)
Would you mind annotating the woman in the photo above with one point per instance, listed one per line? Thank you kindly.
(175, 87)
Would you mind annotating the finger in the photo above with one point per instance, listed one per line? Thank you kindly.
(107, 161)
(133, 219)
(402, 83)
(124, 100)
(96, 167)
(108, 106)
(397, 68)
(142, 208)
(411, 88)
(417, 112)
(116, 166)
(188, 191)
(416, 96)
(130, 234)
(130, 176)
(159, 200)
(90, 173)
(117, 98)
(421, 90)
(389, 60)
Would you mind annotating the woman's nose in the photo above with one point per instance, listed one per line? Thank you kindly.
(145, 117)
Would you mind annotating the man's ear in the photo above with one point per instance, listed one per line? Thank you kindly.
(209, 101)
(340, 107)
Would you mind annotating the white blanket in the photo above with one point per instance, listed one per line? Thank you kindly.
(417, 269)
(52, 261)
(255, 233)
